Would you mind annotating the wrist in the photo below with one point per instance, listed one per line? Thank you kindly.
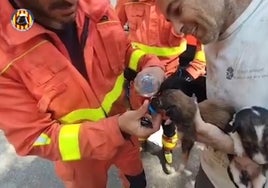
(214, 137)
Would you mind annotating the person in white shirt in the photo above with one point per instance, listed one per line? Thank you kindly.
(236, 36)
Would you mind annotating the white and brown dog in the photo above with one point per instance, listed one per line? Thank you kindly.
(248, 128)
(250, 135)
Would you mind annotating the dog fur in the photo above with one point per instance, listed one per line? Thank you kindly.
(248, 129)
(250, 136)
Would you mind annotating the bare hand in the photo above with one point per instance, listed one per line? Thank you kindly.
(201, 127)
(130, 122)
(245, 163)
(211, 135)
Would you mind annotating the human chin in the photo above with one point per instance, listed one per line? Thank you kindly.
(206, 38)
(206, 35)
(66, 18)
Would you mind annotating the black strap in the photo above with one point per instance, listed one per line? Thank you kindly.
(187, 56)
(130, 74)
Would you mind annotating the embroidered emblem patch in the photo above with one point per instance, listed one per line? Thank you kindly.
(22, 19)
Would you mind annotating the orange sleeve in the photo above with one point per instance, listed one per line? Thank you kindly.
(197, 67)
(140, 59)
(32, 132)
(120, 11)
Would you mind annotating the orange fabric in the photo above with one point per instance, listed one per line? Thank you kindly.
(191, 40)
(83, 171)
(40, 85)
(197, 67)
(148, 26)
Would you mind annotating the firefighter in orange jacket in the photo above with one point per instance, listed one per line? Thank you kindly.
(62, 89)
(150, 31)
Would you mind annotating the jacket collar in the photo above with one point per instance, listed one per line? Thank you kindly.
(94, 9)
(8, 32)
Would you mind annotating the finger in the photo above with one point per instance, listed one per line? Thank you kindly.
(149, 116)
(246, 164)
(156, 123)
(157, 120)
(253, 170)
(142, 110)
(197, 118)
(145, 132)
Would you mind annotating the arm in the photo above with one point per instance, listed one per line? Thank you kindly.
(35, 133)
(212, 136)
(137, 59)
(141, 63)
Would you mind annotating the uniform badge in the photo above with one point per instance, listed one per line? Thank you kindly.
(22, 19)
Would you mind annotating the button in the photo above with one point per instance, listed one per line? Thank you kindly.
(104, 18)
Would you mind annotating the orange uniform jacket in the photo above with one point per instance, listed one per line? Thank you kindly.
(47, 108)
(149, 30)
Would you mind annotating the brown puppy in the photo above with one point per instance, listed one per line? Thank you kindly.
(181, 110)
(245, 127)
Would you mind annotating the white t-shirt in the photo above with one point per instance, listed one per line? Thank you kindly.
(237, 72)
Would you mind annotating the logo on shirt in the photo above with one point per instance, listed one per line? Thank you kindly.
(229, 73)
(22, 19)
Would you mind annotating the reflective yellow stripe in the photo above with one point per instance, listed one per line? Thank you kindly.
(114, 94)
(69, 142)
(162, 51)
(96, 114)
(80, 115)
(42, 140)
(200, 55)
(135, 58)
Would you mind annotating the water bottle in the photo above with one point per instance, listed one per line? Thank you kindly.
(147, 85)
